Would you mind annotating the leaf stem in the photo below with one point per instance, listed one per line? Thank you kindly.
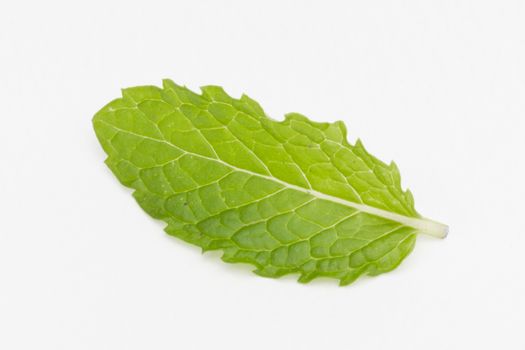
(432, 228)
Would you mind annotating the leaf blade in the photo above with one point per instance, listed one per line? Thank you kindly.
(223, 175)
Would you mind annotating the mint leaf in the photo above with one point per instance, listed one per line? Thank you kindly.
(288, 197)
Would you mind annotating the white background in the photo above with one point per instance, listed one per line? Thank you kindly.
(438, 86)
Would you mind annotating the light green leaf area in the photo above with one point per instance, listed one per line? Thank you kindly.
(288, 196)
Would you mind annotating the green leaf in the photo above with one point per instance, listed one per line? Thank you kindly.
(288, 197)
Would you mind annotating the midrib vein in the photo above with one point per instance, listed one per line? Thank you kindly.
(426, 226)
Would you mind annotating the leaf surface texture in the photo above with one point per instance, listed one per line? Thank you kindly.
(288, 196)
